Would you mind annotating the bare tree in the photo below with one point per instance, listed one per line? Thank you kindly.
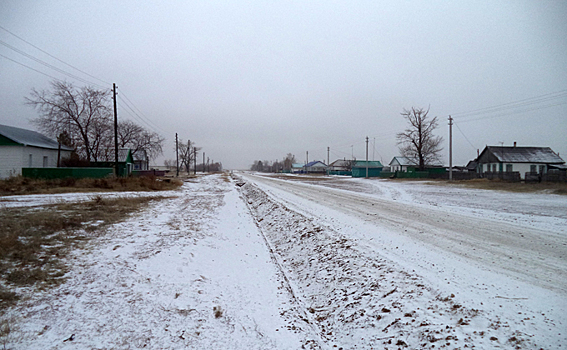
(139, 140)
(187, 154)
(417, 142)
(288, 161)
(83, 112)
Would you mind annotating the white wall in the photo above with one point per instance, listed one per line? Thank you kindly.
(10, 161)
(14, 158)
(522, 168)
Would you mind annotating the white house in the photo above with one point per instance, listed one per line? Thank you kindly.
(21, 148)
(315, 167)
(141, 160)
(401, 164)
(340, 165)
(297, 168)
(496, 159)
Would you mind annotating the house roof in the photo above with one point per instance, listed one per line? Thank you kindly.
(139, 156)
(523, 154)
(31, 138)
(297, 165)
(340, 163)
(403, 161)
(314, 163)
(371, 164)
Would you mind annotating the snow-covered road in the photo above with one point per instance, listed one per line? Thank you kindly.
(536, 253)
(503, 253)
(331, 263)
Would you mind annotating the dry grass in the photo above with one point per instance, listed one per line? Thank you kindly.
(22, 185)
(544, 187)
(34, 242)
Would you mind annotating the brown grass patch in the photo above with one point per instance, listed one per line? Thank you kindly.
(34, 242)
(22, 185)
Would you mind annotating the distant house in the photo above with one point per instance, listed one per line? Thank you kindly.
(359, 168)
(21, 148)
(315, 167)
(297, 168)
(340, 167)
(141, 160)
(534, 160)
(401, 164)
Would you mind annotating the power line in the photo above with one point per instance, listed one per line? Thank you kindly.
(145, 121)
(50, 55)
(47, 64)
(515, 104)
(141, 114)
(21, 64)
(514, 112)
(462, 133)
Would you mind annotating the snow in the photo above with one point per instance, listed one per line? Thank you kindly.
(280, 264)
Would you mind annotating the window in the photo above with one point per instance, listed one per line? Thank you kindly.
(508, 168)
(541, 169)
(45, 162)
(493, 168)
(533, 168)
(30, 161)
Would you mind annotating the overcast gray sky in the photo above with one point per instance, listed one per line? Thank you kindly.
(251, 80)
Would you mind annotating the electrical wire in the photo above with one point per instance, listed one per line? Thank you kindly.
(21, 64)
(50, 55)
(462, 133)
(515, 105)
(140, 114)
(48, 65)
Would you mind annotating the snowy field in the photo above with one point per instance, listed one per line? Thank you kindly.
(291, 263)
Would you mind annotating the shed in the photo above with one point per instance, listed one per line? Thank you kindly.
(359, 168)
(125, 162)
(533, 160)
(22, 148)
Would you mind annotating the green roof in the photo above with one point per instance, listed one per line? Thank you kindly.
(371, 164)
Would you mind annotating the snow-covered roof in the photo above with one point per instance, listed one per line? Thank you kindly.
(30, 138)
(297, 165)
(340, 163)
(524, 154)
(404, 161)
(315, 163)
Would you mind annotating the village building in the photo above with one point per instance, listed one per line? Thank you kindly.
(22, 148)
(401, 164)
(523, 160)
(316, 167)
(340, 167)
(360, 167)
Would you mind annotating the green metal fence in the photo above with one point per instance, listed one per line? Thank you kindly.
(61, 173)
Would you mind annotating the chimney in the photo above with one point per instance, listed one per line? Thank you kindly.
(514, 143)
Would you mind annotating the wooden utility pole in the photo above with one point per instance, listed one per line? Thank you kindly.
(450, 148)
(203, 162)
(367, 157)
(328, 149)
(194, 160)
(115, 130)
(177, 154)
